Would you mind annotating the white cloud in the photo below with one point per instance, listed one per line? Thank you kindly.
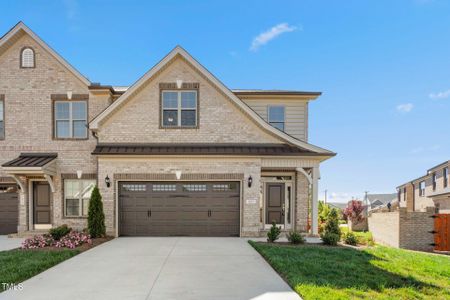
(440, 95)
(405, 108)
(71, 9)
(420, 150)
(267, 36)
(342, 197)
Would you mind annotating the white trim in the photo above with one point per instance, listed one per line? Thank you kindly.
(19, 182)
(50, 182)
(23, 27)
(42, 226)
(241, 195)
(178, 51)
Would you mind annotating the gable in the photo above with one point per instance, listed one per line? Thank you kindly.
(252, 115)
(220, 121)
(21, 30)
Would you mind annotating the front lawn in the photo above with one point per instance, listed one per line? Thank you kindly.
(18, 265)
(322, 272)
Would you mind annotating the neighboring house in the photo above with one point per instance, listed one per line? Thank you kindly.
(338, 205)
(430, 190)
(380, 200)
(176, 153)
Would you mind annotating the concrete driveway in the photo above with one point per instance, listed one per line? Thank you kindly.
(9, 243)
(160, 268)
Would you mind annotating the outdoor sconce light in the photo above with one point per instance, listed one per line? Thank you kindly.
(250, 181)
(178, 174)
(79, 174)
(107, 181)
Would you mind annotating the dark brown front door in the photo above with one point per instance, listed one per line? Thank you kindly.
(274, 203)
(179, 208)
(8, 209)
(41, 202)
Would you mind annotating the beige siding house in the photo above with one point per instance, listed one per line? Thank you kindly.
(177, 153)
(430, 190)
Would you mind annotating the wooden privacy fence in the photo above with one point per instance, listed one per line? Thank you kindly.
(442, 232)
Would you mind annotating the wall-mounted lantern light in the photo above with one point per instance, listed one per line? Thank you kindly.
(79, 174)
(107, 181)
(250, 181)
(178, 174)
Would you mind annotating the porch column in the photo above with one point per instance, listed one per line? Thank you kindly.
(315, 201)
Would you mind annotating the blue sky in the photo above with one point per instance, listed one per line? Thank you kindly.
(383, 67)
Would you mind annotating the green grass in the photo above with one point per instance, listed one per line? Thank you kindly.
(19, 265)
(364, 237)
(321, 272)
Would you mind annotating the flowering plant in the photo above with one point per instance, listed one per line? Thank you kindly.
(354, 211)
(38, 241)
(73, 240)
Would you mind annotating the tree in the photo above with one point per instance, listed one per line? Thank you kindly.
(324, 211)
(331, 232)
(354, 211)
(96, 216)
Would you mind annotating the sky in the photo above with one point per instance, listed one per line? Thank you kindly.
(383, 67)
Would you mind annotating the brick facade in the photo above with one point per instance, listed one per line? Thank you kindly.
(403, 228)
(28, 110)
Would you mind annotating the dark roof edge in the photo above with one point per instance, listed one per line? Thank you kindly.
(39, 154)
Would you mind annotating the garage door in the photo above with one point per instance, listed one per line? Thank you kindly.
(8, 209)
(179, 208)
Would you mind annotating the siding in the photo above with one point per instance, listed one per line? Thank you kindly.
(296, 114)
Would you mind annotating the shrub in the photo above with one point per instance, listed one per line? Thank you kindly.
(331, 233)
(295, 237)
(350, 239)
(73, 240)
(274, 233)
(96, 216)
(38, 241)
(58, 232)
(330, 238)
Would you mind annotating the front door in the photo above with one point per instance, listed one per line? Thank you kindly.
(275, 203)
(41, 202)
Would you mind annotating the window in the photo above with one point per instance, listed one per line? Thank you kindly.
(224, 187)
(134, 187)
(2, 120)
(194, 187)
(76, 197)
(27, 58)
(422, 188)
(70, 119)
(434, 180)
(445, 176)
(164, 188)
(179, 108)
(276, 116)
(404, 194)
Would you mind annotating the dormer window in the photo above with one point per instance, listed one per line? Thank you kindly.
(27, 58)
(276, 117)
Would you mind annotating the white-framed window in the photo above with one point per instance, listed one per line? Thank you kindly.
(276, 116)
(70, 119)
(77, 193)
(445, 176)
(422, 188)
(27, 58)
(2, 120)
(179, 108)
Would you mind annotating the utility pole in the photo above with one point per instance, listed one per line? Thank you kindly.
(366, 200)
(326, 196)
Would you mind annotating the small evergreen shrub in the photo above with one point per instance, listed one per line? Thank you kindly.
(331, 232)
(350, 239)
(274, 233)
(331, 239)
(295, 237)
(58, 232)
(96, 216)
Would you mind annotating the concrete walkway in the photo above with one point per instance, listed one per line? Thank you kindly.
(9, 243)
(160, 268)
